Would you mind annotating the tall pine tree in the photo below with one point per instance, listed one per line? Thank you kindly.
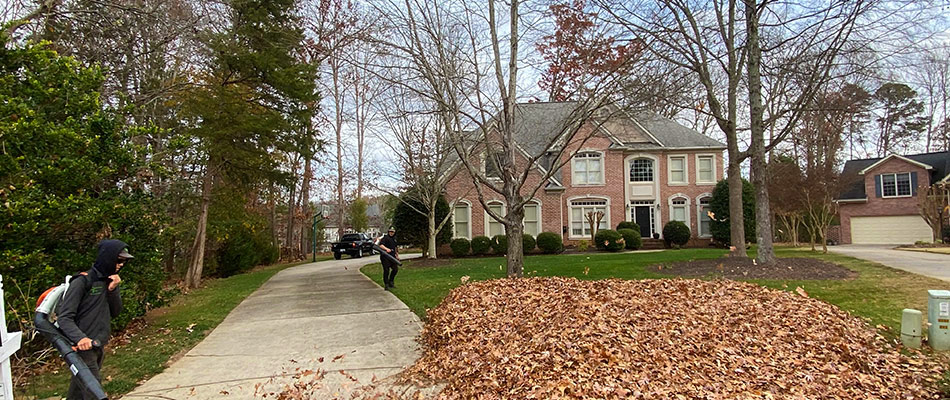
(252, 98)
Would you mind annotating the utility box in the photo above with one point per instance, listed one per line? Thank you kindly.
(911, 322)
(938, 314)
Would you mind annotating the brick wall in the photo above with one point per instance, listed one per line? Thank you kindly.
(555, 205)
(879, 206)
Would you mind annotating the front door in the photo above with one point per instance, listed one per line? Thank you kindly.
(641, 215)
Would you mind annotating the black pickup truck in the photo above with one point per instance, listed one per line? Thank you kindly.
(354, 244)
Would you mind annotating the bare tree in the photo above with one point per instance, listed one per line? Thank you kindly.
(424, 153)
(934, 205)
(727, 45)
(333, 26)
(455, 51)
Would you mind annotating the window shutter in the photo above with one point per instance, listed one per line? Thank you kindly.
(877, 185)
(913, 183)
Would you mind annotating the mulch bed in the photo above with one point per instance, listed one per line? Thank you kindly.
(546, 338)
(746, 268)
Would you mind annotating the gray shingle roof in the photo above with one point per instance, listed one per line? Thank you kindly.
(537, 123)
(854, 184)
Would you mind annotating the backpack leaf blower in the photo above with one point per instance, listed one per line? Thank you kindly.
(43, 322)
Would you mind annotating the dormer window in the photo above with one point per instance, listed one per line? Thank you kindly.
(492, 170)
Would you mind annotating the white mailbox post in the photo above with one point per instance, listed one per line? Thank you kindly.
(9, 344)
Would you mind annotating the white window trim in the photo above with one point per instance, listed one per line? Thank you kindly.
(468, 205)
(898, 195)
(602, 168)
(699, 215)
(540, 218)
(570, 215)
(669, 170)
(714, 174)
(488, 218)
(669, 212)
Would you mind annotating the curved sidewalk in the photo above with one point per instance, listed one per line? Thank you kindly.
(320, 316)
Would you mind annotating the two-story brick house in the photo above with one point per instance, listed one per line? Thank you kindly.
(643, 168)
(879, 204)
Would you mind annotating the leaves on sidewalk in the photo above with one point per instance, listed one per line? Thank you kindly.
(566, 338)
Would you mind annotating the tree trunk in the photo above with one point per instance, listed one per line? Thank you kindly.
(430, 252)
(305, 206)
(765, 253)
(514, 232)
(515, 250)
(736, 217)
(291, 208)
(193, 277)
(338, 100)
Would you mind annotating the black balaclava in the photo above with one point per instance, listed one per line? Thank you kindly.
(108, 256)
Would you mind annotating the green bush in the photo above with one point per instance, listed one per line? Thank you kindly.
(628, 225)
(550, 243)
(528, 242)
(414, 226)
(583, 246)
(68, 178)
(719, 205)
(481, 245)
(676, 232)
(499, 244)
(631, 238)
(460, 247)
(609, 240)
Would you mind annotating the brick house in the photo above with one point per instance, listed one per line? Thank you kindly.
(878, 202)
(643, 168)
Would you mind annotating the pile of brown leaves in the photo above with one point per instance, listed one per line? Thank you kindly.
(662, 339)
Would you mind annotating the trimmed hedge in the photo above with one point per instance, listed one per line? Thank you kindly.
(499, 244)
(528, 242)
(676, 232)
(628, 225)
(631, 238)
(481, 245)
(550, 243)
(460, 247)
(609, 240)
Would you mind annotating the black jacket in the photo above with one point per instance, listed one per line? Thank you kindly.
(390, 243)
(88, 306)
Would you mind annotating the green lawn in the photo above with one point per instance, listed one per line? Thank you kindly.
(171, 330)
(879, 293)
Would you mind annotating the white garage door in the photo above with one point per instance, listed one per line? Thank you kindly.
(902, 229)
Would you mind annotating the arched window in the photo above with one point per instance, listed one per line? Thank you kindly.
(532, 218)
(705, 223)
(578, 215)
(679, 204)
(641, 170)
(492, 227)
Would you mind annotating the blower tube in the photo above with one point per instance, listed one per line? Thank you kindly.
(65, 348)
(383, 252)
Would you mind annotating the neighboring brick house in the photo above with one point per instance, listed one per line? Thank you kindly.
(643, 168)
(878, 203)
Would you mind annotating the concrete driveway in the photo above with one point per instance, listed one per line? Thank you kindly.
(323, 316)
(927, 264)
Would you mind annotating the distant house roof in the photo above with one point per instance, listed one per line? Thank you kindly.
(853, 180)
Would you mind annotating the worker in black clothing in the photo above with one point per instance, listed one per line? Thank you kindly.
(388, 244)
(89, 304)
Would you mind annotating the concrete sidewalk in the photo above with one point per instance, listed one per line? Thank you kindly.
(323, 311)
